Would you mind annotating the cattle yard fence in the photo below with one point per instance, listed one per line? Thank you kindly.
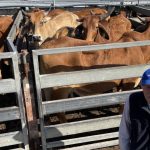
(9, 114)
(64, 105)
(15, 43)
(14, 112)
(61, 135)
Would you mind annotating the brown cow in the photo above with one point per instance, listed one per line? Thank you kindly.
(145, 35)
(85, 13)
(46, 27)
(114, 28)
(135, 36)
(77, 32)
(86, 60)
(38, 14)
(5, 24)
(65, 31)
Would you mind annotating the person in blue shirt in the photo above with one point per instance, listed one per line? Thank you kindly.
(134, 130)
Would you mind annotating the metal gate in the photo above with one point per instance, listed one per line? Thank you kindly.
(26, 80)
(53, 135)
(14, 112)
(19, 137)
(48, 133)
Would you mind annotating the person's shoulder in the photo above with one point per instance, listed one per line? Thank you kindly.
(136, 98)
(137, 95)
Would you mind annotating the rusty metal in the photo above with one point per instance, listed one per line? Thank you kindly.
(29, 98)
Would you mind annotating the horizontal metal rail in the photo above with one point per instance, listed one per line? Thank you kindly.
(8, 11)
(85, 102)
(8, 86)
(6, 55)
(67, 3)
(80, 140)
(62, 3)
(11, 138)
(9, 113)
(25, 3)
(94, 146)
(141, 10)
(92, 75)
(82, 126)
(90, 48)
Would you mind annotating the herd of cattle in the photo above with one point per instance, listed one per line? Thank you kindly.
(62, 28)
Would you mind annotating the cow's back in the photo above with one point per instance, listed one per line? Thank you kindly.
(66, 19)
(90, 60)
(55, 12)
(5, 24)
(119, 25)
(87, 11)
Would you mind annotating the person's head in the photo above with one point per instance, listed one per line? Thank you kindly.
(145, 84)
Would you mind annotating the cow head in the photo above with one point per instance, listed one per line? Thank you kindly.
(92, 23)
(35, 20)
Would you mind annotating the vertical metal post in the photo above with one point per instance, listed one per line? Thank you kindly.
(121, 2)
(20, 100)
(30, 102)
(39, 98)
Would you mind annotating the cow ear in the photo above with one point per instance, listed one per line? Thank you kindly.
(92, 12)
(80, 20)
(103, 32)
(45, 19)
(102, 27)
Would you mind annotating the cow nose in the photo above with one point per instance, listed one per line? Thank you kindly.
(36, 38)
